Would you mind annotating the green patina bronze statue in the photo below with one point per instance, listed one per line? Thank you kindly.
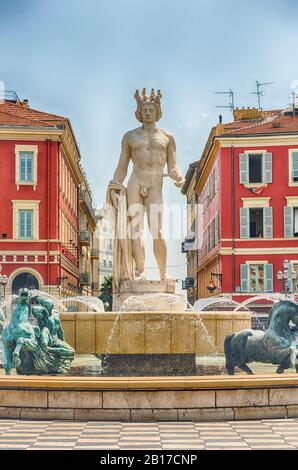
(277, 345)
(35, 349)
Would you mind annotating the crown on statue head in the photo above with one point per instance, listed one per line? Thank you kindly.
(151, 99)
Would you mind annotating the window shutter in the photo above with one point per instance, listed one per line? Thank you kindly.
(267, 168)
(243, 168)
(209, 237)
(295, 166)
(244, 272)
(268, 222)
(244, 222)
(217, 235)
(288, 222)
(268, 268)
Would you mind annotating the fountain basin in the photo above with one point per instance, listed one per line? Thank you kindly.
(151, 332)
(149, 398)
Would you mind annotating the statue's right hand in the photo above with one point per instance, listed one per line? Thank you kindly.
(114, 197)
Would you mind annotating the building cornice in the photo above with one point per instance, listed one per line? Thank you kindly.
(257, 140)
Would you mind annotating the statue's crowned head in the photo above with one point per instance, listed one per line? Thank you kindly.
(151, 100)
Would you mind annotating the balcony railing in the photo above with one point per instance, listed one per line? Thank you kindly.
(84, 237)
(85, 279)
(84, 197)
(94, 253)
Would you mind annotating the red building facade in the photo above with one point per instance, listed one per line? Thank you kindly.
(248, 186)
(40, 177)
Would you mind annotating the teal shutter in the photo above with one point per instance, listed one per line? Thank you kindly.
(288, 222)
(268, 274)
(268, 222)
(295, 166)
(244, 277)
(22, 225)
(244, 222)
(22, 176)
(243, 168)
(29, 224)
(267, 168)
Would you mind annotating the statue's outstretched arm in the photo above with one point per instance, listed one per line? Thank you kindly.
(121, 170)
(173, 169)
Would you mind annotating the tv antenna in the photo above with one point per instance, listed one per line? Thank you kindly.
(231, 104)
(260, 92)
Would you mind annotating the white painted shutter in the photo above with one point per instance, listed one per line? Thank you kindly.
(268, 222)
(268, 271)
(288, 222)
(244, 222)
(244, 277)
(243, 168)
(267, 168)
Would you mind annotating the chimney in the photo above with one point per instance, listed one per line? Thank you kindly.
(246, 114)
(220, 119)
(25, 104)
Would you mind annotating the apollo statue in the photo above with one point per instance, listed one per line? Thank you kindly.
(149, 149)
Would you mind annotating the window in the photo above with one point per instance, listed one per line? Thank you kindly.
(255, 168)
(290, 222)
(25, 219)
(293, 167)
(256, 222)
(110, 263)
(25, 224)
(26, 165)
(256, 277)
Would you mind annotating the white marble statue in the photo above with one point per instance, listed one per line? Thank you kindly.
(150, 149)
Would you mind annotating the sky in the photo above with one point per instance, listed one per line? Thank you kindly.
(84, 60)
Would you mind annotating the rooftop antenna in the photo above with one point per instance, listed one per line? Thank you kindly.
(293, 102)
(260, 92)
(231, 104)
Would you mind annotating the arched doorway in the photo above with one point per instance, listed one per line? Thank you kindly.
(24, 280)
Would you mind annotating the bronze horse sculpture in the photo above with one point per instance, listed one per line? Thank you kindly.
(35, 349)
(277, 345)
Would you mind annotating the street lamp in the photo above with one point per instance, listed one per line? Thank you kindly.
(287, 277)
(3, 283)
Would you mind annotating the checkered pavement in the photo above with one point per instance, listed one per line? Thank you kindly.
(261, 434)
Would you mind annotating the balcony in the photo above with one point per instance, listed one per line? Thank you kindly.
(188, 244)
(84, 237)
(95, 254)
(95, 286)
(85, 199)
(84, 279)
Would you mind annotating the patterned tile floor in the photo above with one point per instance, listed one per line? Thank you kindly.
(262, 434)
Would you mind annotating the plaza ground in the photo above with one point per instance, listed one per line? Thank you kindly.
(65, 435)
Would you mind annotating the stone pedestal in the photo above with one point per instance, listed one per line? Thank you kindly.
(143, 295)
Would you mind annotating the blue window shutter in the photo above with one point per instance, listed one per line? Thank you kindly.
(29, 224)
(243, 168)
(267, 168)
(295, 166)
(244, 222)
(268, 271)
(29, 169)
(22, 224)
(268, 222)
(288, 222)
(244, 277)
